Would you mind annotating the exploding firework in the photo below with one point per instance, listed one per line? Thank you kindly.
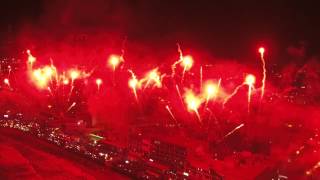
(187, 63)
(152, 77)
(114, 61)
(210, 91)
(42, 76)
(48, 72)
(74, 74)
(133, 83)
(250, 80)
(193, 103)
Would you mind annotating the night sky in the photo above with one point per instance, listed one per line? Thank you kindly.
(54, 52)
(227, 28)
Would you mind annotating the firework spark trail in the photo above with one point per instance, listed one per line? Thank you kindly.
(88, 74)
(180, 51)
(9, 73)
(314, 168)
(133, 82)
(31, 59)
(235, 129)
(219, 85)
(123, 48)
(210, 113)
(226, 100)
(173, 68)
(249, 81)
(70, 92)
(201, 77)
(50, 91)
(249, 97)
(71, 106)
(207, 102)
(261, 51)
(174, 65)
(198, 115)
(171, 114)
(179, 94)
(55, 71)
(185, 61)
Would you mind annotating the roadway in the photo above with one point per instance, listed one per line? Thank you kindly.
(23, 156)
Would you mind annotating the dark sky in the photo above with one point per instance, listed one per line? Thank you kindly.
(221, 25)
